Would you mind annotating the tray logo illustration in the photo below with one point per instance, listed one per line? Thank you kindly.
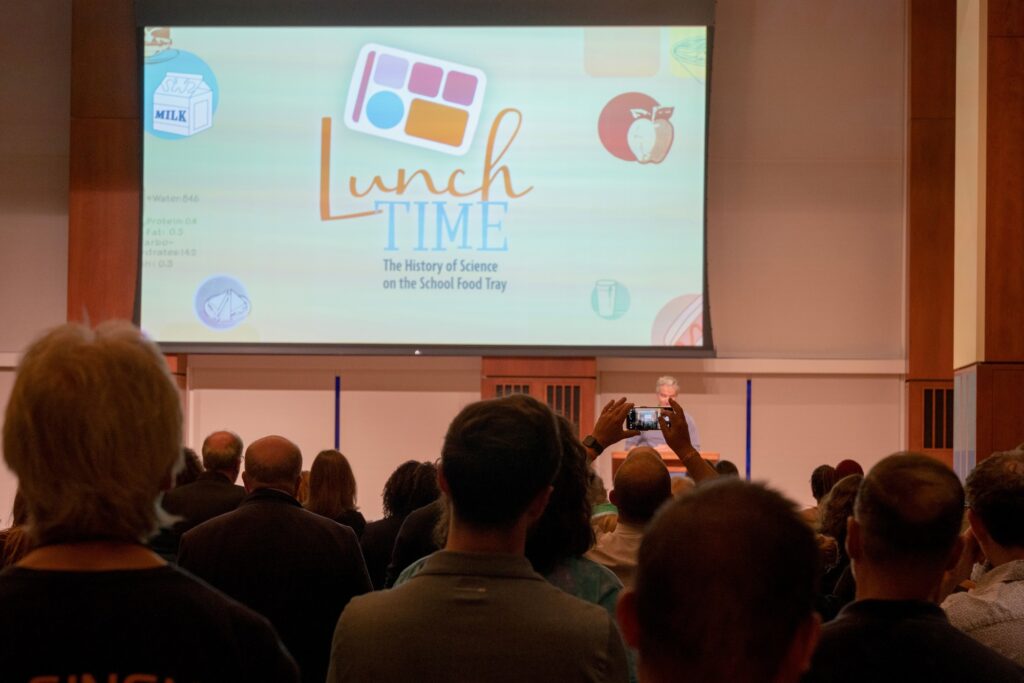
(415, 99)
(221, 302)
(182, 104)
(635, 127)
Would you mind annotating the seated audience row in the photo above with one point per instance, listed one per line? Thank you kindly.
(497, 586)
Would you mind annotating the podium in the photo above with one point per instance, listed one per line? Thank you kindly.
(675, 466)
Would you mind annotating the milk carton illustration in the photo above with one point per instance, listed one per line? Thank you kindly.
(182, 104)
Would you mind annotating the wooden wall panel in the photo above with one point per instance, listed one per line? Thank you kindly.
(999, 415)
(105, 175)
(1004, 229)
(1008, 415)
(539, 367)
(930, 248)
(931, 146)
(548, 380)
(1005, 18)
(932, 62)
(104, 75)
(103, 216)
(931, 167)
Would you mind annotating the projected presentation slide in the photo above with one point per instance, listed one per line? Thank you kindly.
(534, 186)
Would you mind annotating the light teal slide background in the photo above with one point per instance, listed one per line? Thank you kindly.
(256, 174)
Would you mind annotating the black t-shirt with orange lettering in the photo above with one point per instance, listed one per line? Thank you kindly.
(131, 626)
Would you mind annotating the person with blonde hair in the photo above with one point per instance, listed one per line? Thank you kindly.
(332, 490)
(93, 433)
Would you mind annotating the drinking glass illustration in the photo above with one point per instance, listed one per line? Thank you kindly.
(606, 297)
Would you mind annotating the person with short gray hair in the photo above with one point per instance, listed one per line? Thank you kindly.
(222, 452)
(213, 493)
(666, 389)
(93, 432)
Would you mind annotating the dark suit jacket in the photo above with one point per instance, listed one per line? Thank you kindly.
(415, 539)
(210, 495)
(378, 540)
(294, 567)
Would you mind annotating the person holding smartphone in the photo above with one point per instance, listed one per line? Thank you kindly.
(666, 389)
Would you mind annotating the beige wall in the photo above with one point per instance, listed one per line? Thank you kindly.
(35, 52)
(805, 259)
(804, 413)
(805, 179)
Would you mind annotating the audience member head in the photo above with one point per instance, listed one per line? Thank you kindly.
(642, 483)
(682, 485)
(847, 467)
(995, 498)
(272, 462)
(332, 486)
(837, 507)
(666, 387)
(93, 433)
(564, 529)
(727, 468)
(724, 588)
(411, 486)
(823, 478)
(222, 452)
(499, 458)
(192, 469)
(906, 519)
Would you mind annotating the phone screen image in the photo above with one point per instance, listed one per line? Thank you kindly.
(644, 419)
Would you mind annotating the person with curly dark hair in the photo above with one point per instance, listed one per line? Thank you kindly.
(412, 485)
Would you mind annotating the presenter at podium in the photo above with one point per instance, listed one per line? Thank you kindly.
(665, 388)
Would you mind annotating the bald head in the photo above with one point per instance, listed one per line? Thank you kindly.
(222, 452)
(272, 462)
(642, 484)
(909, 507)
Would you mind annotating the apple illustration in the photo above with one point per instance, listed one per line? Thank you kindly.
(650, 135)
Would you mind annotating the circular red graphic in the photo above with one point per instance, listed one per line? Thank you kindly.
(617, 117)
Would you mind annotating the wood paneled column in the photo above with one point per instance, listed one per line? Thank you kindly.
(103, 207)
(989, 345)
(931, 128)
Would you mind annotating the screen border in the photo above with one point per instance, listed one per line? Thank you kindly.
(462, 13)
